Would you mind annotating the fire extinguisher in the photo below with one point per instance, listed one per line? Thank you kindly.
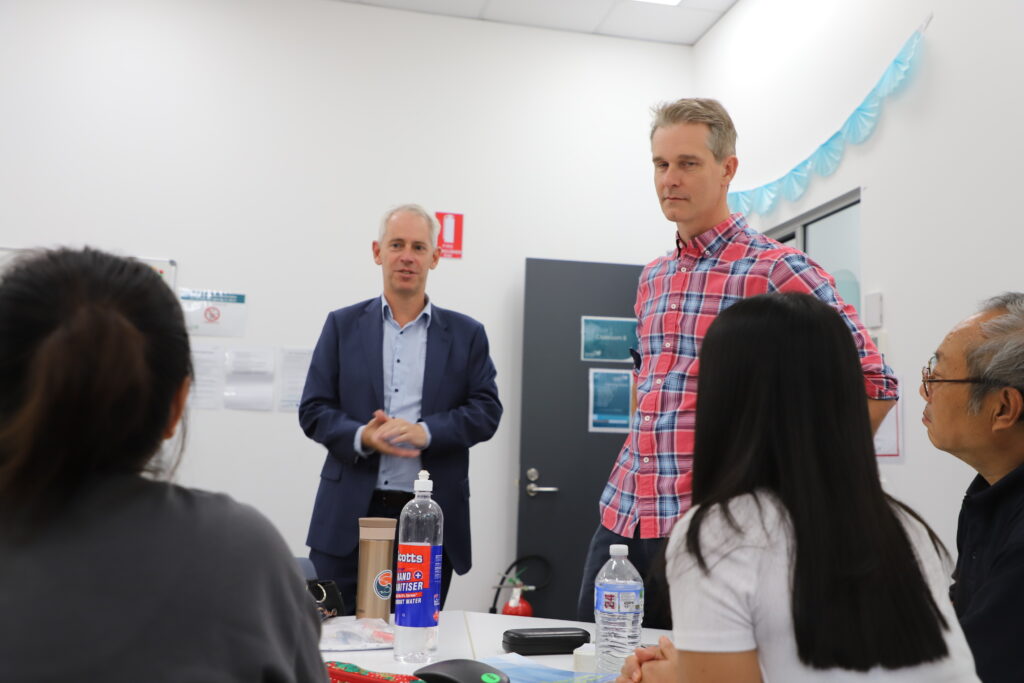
(517, 604)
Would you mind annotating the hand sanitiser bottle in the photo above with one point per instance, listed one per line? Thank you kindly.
(618, 610)
(418, 575)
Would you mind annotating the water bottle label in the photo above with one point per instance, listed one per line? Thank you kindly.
(418, 585)
(619, 600)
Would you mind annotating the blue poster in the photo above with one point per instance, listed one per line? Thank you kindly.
(607, 339)
(611, 400)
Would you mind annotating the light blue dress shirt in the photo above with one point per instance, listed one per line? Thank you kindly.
(405, 360)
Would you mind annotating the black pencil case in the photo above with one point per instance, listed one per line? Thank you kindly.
(544, 641)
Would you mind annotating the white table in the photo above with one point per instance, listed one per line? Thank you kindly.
(472, 635)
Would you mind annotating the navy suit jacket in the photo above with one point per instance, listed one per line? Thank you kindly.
(345, 385)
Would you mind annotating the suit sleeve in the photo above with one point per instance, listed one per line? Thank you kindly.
(476, 419)
(320, 414)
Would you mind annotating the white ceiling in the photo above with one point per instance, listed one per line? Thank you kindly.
(683, 24)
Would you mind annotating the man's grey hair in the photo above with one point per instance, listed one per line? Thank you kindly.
(721, 132)
(999, 358)
(410, 208)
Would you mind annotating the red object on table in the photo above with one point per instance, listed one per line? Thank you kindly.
(342, 672)
(517, 604)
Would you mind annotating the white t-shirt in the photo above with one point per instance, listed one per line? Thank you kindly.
(744, 603)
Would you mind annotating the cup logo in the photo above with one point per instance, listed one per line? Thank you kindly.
(382, 584)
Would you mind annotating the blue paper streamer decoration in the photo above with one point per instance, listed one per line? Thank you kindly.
(824, 161)
(861, 123)
(794, 183)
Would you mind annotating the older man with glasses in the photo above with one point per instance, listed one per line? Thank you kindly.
(974, 392)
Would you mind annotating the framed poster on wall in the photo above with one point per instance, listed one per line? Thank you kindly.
(611, 400)
(607, 339)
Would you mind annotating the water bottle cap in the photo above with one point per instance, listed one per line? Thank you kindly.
(618, 550)
(423, 483)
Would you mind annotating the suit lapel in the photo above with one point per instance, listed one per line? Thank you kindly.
(371, 332)
(439, 343)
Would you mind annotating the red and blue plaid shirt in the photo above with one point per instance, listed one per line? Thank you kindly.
(677, 299)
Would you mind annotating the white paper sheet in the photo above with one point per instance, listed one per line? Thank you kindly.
(249, 382)
(887, 438)
(249, 393)
(294, 367)
(208, 377)
(213, 313)
(259, 361)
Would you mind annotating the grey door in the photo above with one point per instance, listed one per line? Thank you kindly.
(554, 441)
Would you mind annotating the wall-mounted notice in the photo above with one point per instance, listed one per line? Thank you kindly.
(449, 240)
(249, 379)
(887, 438)
(213, 313)
(611, 399)
(207, 377)
(607, 339)
(167, 268)
(294, 367)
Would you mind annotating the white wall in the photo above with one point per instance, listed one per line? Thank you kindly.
(258, 141)
(939, 177)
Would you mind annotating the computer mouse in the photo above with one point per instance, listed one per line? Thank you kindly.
(461, 671)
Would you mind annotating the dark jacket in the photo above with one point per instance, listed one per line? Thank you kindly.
(988, 588)
(345, 385)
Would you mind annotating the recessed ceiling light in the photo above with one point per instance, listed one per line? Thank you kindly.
(671, 3)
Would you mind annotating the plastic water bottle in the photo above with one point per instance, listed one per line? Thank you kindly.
(418, 577)
(618, 610)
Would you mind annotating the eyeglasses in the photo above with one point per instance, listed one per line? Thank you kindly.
(928, 378)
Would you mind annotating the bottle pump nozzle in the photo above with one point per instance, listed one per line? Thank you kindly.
(423, 483)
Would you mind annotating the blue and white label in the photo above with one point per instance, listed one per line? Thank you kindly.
(418, 585)
(625, 600)
(213, 313)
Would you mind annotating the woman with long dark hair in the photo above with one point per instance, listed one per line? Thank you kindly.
(105, 574)
(793, 564)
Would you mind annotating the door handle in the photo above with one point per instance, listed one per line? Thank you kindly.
(532, 489)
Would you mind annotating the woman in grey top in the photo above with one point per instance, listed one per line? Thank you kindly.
(106, 574)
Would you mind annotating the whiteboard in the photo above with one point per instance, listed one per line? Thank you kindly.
(167, 268)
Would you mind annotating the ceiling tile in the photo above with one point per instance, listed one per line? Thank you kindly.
(657, 22)
(569, 15)
(682, 25)
(720, 6)
(452, 8)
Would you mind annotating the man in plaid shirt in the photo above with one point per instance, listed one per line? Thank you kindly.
(717, 261)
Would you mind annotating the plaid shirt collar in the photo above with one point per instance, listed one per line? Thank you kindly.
(713, 240)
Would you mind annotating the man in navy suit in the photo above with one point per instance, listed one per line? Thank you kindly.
(396, 384)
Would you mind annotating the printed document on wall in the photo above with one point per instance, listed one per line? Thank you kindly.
(213, 313)
(294, 368)
(611, 400)
(249, 383)
(607, 339)
(889, 435)
(207, 376)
